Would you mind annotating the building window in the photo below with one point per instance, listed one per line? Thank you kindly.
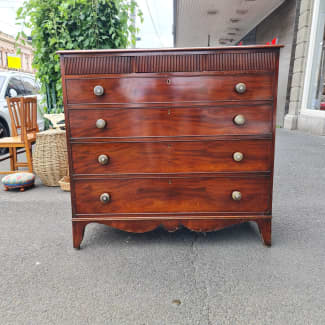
(314, 93)
(319, 102)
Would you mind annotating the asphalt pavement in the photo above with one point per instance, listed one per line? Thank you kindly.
(158, 278)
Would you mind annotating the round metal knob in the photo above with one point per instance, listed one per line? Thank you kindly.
(236, 195)
(240, 88)
(238, 156)
(105, 198)
(239, 119)
(98, 90)
(103, 159)
(101, 124)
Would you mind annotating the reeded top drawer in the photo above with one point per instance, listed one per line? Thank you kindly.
(160, 122)
(122, 61)
(159, 89)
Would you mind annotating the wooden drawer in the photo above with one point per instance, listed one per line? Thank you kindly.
(202, 88)
(154, 122)
(172, 157)
(168, 195)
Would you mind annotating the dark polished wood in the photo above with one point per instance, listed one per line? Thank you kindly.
(78, 231)
(168, 195)
(146, 122)
(248, 58)
(199, 225)
(172, 157)
(169, 137)
(202, 88)
(264, 226)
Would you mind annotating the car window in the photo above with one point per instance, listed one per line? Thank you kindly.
(2, 80)
(31, 88)
(17, 85)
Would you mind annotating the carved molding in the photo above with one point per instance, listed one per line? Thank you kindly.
(217, 61)
(141, 226)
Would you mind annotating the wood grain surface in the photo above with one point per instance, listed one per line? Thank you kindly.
(200, 225)
(148, 122)
(158, 195)
(171, 88)
(172, 157)
(170, 137)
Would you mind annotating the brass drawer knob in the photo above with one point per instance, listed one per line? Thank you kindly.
(101, 124)
(238, 156)
(239, 119)
(236, 195)
(103, 159)
(105, 198)
(240, 88)
(98, 90)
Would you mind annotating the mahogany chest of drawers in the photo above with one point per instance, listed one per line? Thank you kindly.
(173, 137)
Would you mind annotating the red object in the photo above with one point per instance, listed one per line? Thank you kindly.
(322, 106)
(275, 41)
(240, 43)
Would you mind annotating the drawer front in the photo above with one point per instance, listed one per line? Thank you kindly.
(146, 122)
(169, 89)
(172, 157)
(168, 195)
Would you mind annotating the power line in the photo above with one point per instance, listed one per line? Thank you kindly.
(9, 23)
(156, 11)
(153, 24)
(14, 2)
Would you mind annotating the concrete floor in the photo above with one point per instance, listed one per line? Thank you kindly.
(158, 278)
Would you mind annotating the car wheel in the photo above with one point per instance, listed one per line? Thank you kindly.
(4, 132)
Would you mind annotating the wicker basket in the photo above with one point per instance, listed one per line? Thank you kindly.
(50, 158)
(65, 183)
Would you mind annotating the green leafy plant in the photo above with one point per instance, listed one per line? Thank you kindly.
(73, 24)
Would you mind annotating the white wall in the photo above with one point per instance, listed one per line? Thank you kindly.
(280, 24)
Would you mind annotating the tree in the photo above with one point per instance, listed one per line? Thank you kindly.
(72, 24)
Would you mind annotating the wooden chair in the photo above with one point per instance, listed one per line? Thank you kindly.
(23, 114)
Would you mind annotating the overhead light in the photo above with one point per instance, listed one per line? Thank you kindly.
(241, 11)
(231, 33)
(212, 12)
(234, 20)
(225, 40)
